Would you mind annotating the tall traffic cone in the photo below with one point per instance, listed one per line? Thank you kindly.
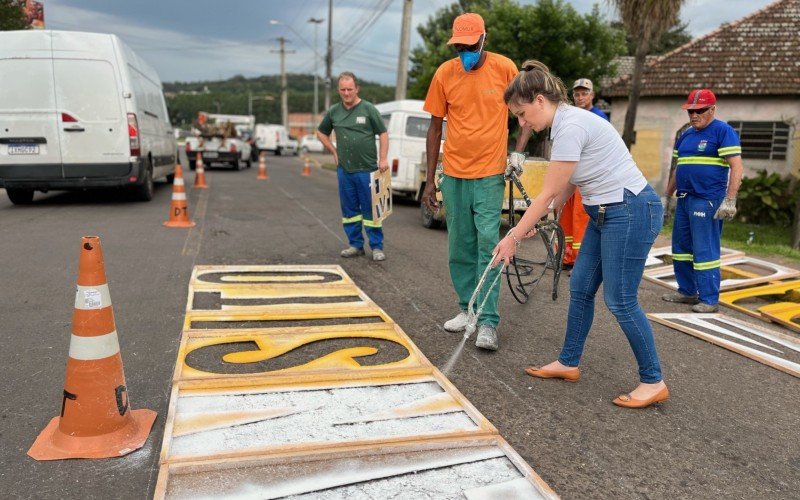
(306, 169)
(262, 166)
(200, 173)
(96, 420)
(178, 209)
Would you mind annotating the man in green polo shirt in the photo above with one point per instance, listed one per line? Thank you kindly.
(356, 123)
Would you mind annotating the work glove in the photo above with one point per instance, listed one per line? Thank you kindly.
(727, 209)
(515, 162)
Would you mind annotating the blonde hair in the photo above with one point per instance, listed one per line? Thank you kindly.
(535, 79)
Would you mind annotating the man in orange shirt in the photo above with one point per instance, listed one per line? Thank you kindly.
(468, 91)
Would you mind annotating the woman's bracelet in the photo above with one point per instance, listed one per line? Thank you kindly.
(513, 236)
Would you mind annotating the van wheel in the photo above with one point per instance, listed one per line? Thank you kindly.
(429, 219)
(171, 179)
(20, 196)
(144, 192)
(278, 152)
(192, 165)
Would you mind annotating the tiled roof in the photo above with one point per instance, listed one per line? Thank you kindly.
(756, 55)
(624, 65)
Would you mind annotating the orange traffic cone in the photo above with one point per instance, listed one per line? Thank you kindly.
(306, 169)
(262, 166)
(200, 173)
(178, 210)
(96, 420)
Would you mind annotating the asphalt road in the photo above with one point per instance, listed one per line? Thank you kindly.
(730, 429)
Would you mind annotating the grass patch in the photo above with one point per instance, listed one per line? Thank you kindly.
(767, 240)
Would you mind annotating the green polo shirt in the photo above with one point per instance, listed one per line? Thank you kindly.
(355, 129)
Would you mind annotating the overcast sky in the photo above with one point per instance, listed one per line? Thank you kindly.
(191, 40)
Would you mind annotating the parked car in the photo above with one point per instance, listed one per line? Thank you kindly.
(407, 125)
(311, 144)
(275, 139)
(79, 111)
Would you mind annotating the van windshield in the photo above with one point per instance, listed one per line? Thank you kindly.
(95, 102)
(417, 126)
(30, 94)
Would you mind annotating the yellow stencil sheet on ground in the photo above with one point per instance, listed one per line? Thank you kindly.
(778, 302)
(282, 364)
(737, 272)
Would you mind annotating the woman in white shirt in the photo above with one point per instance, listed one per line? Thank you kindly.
(625, 218)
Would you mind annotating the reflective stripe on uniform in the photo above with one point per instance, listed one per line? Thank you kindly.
(91, 348)
(568, 238)
(702, 160)
(674, 153)
(576, 246)
(369, 223)
(92, 297)
(350, 220)
(730, 150)
(683, 257)
(704, 266)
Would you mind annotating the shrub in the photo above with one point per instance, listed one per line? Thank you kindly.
(766, 199)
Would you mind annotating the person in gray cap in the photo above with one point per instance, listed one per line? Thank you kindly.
(583, 95)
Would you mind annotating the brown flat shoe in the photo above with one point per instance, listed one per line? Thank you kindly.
(626, 401)
(571, 375)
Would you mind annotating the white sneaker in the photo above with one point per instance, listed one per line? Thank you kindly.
(487, 338)
(457, 324)
(350, 252)
(378, 255)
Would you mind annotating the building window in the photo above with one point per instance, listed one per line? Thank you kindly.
(763, 140)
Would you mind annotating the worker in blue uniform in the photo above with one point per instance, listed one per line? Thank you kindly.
(707, 178)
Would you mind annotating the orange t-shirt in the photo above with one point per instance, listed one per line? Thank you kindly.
(477, 116)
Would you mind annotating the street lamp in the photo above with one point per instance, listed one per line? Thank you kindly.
(316, 68)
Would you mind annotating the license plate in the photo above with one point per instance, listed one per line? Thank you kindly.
(210, 154)
(23, 149)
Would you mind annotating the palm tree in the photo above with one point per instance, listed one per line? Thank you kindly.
(645, 21)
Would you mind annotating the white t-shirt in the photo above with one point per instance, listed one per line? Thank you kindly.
(605, 166)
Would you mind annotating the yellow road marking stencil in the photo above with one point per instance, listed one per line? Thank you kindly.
(466, 468)
(779, 302)
(216, 353)
(662, 256)
(290, 380)
(737, 272)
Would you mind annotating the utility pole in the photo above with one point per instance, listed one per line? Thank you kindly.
(284, 84)
(329, 57)
(316, 70)
(402, 62)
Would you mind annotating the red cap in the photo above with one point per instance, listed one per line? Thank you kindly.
(699, 99)
(467, 29)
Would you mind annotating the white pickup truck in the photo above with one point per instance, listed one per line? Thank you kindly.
(221, 138)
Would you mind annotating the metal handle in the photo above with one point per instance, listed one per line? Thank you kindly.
(74, 129)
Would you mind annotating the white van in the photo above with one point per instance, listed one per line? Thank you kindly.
(79, 111)
(274, 138)
(407, 125)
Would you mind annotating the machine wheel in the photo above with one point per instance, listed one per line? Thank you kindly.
(20, 196)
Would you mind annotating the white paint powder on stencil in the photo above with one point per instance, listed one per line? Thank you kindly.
(326, 407)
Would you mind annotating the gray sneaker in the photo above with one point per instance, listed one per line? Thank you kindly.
(680, 298)
(705, 308)
(487, 338)
(457, 324)
(378, 255)
(352, 252)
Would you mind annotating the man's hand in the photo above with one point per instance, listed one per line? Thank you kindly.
(429, 197)
(515, 162)
(727, 210)
(383, 166)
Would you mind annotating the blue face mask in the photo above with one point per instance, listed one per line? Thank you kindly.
(470, 59)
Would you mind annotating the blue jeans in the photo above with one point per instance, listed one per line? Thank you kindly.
(613, 253)
(355, 199)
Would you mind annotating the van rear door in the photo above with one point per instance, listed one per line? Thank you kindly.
(92, 121)
(29, 139)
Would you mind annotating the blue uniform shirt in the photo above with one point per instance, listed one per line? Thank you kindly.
(701, 169)
(599, 112)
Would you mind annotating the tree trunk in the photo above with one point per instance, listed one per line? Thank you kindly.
(633, 99)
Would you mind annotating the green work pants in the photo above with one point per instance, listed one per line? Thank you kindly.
(473, 211)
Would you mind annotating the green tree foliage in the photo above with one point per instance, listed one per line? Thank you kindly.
(552, 31)
(12, 15)
(186, 99)
(673, 38)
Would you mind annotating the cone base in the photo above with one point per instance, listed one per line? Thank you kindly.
(52, 444)
(179, 223)
(262, 177)
(204, 186)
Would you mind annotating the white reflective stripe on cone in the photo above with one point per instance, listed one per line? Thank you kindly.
(178, 196)
(92, 297)
(178, 181)
(91, 348)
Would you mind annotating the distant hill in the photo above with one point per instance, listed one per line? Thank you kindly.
(185, 99)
